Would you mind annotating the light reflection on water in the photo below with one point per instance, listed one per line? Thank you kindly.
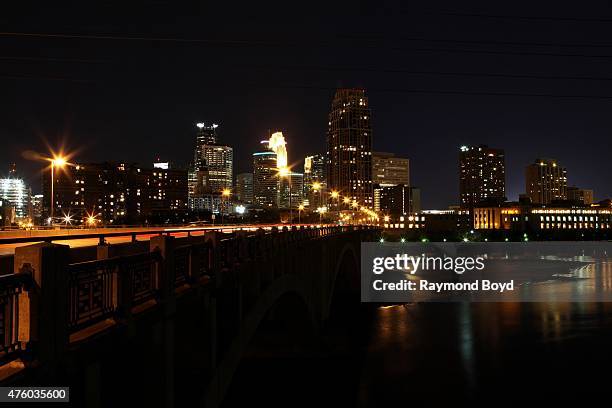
(470, 350)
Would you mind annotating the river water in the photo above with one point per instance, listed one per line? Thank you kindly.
(432, 354)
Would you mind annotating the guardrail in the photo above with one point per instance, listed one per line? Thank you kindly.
(70, 298)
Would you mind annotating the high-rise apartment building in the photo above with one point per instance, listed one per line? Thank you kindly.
(244, 188)
(388, 170)
(265, 179)
(482, 175)
(349, 146)
(545, 181)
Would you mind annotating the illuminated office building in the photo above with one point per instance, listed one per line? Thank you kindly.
(15, 191)
(388, 170)
(482, 175)
(244, 188)
(545, 181)
(265, 179)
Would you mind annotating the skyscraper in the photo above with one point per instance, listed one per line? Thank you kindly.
(388, 170)
(482, 175)
(545, 181)
(349, 146)
(265, 179)
(244, 187)
(212, 168)
(315, 180)
(290, 185)
(14, 190)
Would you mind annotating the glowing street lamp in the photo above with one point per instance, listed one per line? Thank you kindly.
(59, 162)
(300, 209)
(67, 219)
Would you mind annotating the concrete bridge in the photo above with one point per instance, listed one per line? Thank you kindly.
(165, 322)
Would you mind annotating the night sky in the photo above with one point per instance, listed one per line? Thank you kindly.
(130, 83)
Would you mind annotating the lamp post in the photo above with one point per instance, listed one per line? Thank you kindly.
(58, 162)
(300, 209)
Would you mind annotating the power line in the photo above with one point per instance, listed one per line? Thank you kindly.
(49, 59)
(310, 43)
(44, 78)
(446, 92)
(432, 73)
(522, 17)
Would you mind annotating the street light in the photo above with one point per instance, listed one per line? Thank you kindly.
(59, 162)
(300, 209)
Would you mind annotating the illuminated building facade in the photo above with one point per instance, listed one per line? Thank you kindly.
(315, 181)
(349, 146)
(482, 175)
(292, 183)
(244, 188)
(116, 192)
(547, 221)
(213, 163)
(388, 170)
(265, 179)
(545, 181)
(16, 192)
(400, 200)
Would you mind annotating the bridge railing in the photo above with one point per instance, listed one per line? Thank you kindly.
(12, 342)
(60, 302)
(106, 288)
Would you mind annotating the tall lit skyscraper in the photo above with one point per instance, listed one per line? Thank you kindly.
(213, 163)
(244, 187)
(349, 146)
(545, 181)
(265, 179)
(482, 175)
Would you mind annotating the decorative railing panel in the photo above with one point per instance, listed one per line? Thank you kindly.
(11, 287)
(96, 289)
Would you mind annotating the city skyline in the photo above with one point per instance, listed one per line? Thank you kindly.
(436, 87)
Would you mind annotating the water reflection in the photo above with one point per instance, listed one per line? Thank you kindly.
(471, 351)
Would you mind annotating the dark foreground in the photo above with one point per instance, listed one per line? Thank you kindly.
(436, 353)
